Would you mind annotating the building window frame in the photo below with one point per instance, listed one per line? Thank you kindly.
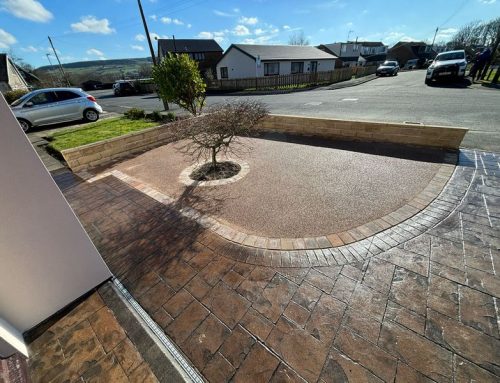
(272, 68)
(299, 64)
(224, 72)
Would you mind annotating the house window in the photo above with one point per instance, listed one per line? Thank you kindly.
(223, 72)
(199, 56)
(343, 48)
(271, 69)
(355, 47)
(297, 67)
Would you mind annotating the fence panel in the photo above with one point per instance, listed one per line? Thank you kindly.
(290, 80)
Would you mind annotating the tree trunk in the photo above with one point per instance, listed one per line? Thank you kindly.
(214, 158)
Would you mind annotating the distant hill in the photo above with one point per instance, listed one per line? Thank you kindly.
(101, 70)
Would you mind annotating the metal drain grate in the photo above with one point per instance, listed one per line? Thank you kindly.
(169, 345)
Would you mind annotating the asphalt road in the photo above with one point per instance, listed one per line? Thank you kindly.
(392, 99)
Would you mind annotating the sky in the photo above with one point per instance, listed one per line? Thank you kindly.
(106, 29)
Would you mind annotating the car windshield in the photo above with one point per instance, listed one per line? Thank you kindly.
(389, 63)
(19, 100)
(450, 56)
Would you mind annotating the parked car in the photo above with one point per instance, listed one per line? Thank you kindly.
(123, 88)
(53, 105)
(411, 64)
(388, 68)
(450, 64)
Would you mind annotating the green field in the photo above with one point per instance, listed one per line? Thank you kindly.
(100, 70)
(97, 131)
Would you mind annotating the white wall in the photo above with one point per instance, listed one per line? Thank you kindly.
(46, 258)
(239, 65)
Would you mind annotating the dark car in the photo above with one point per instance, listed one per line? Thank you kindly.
(123, 88)
(388, 68)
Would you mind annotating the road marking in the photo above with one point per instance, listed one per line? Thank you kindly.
(350, 99)
(314, 103)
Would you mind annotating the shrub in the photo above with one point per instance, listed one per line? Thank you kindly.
(155, 116)
(13, 95)
(179, 80)
(135, 114)
(170, 116)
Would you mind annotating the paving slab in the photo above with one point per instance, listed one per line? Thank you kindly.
(423, 310)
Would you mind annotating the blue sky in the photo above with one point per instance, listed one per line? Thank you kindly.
(90, 30)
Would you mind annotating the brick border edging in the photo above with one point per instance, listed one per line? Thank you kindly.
(338, 248)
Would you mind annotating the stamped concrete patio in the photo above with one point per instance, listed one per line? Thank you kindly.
(413, 302)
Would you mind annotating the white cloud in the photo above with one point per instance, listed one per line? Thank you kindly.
(6, 39)
(241, 30)
(227, 14)
(286, 27)
(487, 1)
(137, 47)
(248, 20)
(30, 49)
(94, 52)
(349, 24)
(218, 36)
(259, 40)
(153, 17)
(27, 9)
(90, 24)
(168, 20)
(446, 34)
(189, 25)
(259, 31)
(140, 37)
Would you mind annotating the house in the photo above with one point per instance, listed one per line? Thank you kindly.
(11, 77)
(246, 61)
(357, 53)
(411, 50)
(205, 51)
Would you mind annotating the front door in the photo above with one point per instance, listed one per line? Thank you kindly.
(314, 66)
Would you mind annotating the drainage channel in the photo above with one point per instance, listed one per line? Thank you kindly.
(193, 375)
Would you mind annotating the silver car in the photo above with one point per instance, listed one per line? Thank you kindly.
(53, 105)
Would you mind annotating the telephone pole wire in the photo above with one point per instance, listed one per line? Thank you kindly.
(59, 61)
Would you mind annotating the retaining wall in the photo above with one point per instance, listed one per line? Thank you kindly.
(409, 134)
(103, 152)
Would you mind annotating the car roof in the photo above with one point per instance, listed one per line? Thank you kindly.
(457, 51)
(79, 90)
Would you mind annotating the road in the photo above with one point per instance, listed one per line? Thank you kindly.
(392, 99)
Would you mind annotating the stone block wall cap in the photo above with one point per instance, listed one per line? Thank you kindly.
(385, 123)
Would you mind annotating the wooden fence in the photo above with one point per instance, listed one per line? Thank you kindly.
(290, 81)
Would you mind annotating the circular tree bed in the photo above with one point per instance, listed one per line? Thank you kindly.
(207, 172)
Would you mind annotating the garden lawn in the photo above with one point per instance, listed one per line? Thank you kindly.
(97, 131)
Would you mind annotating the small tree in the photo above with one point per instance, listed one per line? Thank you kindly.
(220, 129)
(298, 38)
(179, 81)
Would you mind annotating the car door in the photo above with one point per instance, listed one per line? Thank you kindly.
(69, 105)
(40, 108)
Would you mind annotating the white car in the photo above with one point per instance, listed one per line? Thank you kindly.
(450, 64)
(54, 105)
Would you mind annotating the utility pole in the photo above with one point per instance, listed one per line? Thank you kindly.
(50, 72)
(434, 39)
(151, 50)
(59, 61)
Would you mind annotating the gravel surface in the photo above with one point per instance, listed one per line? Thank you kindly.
(298, 187)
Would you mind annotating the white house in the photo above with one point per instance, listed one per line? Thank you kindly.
(247, 61)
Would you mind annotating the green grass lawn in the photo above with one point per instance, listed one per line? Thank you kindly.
(97, 131)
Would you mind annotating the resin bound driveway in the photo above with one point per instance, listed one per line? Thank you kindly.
(416, 302)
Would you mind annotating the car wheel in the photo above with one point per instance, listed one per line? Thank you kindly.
(90, 115)
(25, 125)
